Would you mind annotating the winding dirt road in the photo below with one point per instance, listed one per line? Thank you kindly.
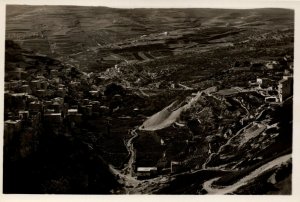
(230, 189)
(128, 169)
(131, 184)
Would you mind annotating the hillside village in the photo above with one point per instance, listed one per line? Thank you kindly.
(194, 108)
(61, 98)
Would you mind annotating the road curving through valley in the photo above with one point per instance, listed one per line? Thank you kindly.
(248, 178)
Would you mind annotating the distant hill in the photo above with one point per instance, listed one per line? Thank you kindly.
(84, 35)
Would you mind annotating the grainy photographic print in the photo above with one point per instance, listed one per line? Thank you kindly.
(159, 101)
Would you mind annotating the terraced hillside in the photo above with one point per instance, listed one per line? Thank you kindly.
(94, 38)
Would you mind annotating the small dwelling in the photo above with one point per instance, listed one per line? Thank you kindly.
(285, 88)
(146, 172)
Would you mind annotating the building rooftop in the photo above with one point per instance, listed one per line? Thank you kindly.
(36, 102)
(18, 94)
(146, 169)
(23, 111)
(72, 110)
(53, 114)
(12, 122)
(227, 92)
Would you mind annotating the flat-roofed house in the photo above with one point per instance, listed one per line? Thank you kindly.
(175, 166)
(25, 89)
(285, 88)
(53, 118)
(11, 127)
(18, 100)
(146, 172)
(36, 106)
(23, 115)
(73, 117)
